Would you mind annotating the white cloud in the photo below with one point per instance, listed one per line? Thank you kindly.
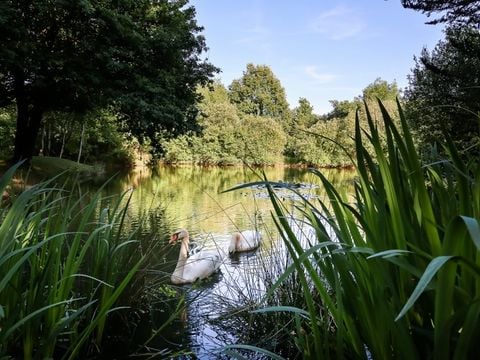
(322, 78)
(338, 23)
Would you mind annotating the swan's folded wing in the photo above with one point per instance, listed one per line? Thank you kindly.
(202, 265)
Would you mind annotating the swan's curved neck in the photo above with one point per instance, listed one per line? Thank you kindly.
(182, 258)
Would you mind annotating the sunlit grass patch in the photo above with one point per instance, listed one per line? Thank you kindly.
(53, 165)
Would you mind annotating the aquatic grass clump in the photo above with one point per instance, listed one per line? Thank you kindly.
(245, 286)
(401, 278)
(65, 261)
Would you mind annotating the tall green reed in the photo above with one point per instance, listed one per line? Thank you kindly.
(65, 261)
(400, 276)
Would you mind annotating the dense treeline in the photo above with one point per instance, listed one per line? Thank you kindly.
(125, 102)
(251, 122)
(443, 98)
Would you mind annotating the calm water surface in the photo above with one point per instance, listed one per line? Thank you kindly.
(195, 199)
(167, 198)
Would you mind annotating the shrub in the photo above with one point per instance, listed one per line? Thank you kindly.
(261, 140)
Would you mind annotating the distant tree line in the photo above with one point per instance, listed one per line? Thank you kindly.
(250, 122)
(97, 81)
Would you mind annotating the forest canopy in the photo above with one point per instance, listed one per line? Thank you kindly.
(139, 58)
(96, 79)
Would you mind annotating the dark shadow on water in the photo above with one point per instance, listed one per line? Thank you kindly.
(237, 257)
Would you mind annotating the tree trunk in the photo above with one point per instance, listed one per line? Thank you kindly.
(26, 135)
(29, 118)
(81, 143)
(63, 141)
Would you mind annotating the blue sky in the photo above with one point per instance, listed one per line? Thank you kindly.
(319, 49)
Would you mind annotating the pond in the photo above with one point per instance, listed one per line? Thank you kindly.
(194, 198)
(164, 199)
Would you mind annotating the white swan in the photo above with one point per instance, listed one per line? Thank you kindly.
(244, 241)
(198, 266)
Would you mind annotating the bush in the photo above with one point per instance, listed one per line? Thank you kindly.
(261, 141)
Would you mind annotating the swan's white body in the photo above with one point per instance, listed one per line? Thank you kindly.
(198, 266)
(244, 241)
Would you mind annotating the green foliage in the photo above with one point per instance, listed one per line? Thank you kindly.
(303, 115)
(96, 136)
(227, 138)
(228, 135)
(262, 140)
(179, 149)
(396, 267)
(258, 92)
(444, 91)
(327, 143)
(7, 132)
(254, 140)
(142, 57)
(381, 90)
(330, 141)
(212, 94)
(461, 12)
(342, 109)
(219, 143)
(219, 139)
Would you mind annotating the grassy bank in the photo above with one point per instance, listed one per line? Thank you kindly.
(53, 165)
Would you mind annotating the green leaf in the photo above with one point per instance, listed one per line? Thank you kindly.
(389, 253)
(291, 309)
(433, 267)
(22, 321)
(254, 349)
(473, 229)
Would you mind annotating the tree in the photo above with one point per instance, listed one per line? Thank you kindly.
(381, 90)
(220, 124)
(303, 115)
(302, 118)
(218, 142)
(262, 140)
(329, 141)
(342, 108)
(459, 12)
(258, 92)
(444, 89)
(141, 57)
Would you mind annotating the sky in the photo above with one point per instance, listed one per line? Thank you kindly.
(320, 50)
